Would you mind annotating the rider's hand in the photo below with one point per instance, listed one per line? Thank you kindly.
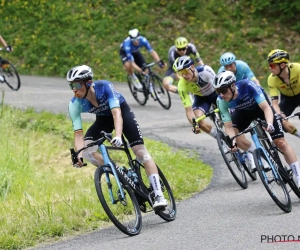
(162, 64)
(196, 129)
(270, 128)
(233, 147)
(78, 164)
(117, 142)
(9, 48)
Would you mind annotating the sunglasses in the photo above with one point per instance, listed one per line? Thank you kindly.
(182, 49)
(135, 39)
(222, 90)
(272, 65)
(76, 85)
(183, 72)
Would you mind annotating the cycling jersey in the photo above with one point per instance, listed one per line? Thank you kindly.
(129, 48)
(250, 95)
(276, 83)
(203, 87)
(107, 98)
(243, 70)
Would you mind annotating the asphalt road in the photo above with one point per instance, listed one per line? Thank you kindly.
(221, 217)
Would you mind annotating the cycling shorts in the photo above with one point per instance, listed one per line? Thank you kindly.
(289, 103)
(131, 128)
(170, 73)
(204, 102)
(137, 56)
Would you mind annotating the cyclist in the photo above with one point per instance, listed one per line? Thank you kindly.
(284, 78)
(3, 42)
(112, 112)
(240, 68)
(181, 48)
(198, 81)
(133, 59)
(250, 102)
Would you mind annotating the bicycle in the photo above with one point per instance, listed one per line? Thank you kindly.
(237, 162)
(269, 165)
(125, 193)
(150, 81)
(9, 74)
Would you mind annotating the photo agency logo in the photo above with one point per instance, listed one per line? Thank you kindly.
(279, 238)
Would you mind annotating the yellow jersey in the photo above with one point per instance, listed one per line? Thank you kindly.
(276, 83)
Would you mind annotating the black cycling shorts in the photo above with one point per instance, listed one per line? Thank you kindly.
(241, 119)
(289, 103)
(204, 102)
(131, 128)
(137, 56)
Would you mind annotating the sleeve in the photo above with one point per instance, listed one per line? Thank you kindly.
(209, 74)
(224, 110)
(195, 52)
(146, 44)
(184, 95)
(127, 49)
(248, 72)
(171, 57)
(112, 96)
(257, 92)
(273, 90)
(74, 112)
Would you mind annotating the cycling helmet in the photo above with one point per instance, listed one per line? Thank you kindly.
(181, 42)
(278, 56)
(182, 62)
(134, 33)
(227, 58)
(224, 79)
(81, 72)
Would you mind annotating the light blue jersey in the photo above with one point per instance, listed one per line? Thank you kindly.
(250, 95)
(243, 70)
(129, 47)
(107, 98)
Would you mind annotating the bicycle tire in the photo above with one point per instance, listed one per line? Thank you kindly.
(11, 75)
(270, 181)
(237, 171)
(162, 95)
(128, 221)
(286, 173)
(140, 96)
(169, 213)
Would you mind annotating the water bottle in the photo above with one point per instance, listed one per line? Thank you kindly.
(129, 173)
(135, 178)
(123, 169)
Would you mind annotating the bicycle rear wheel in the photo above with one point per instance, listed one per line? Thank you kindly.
(169, 212)
(11, 75)
(272, 181)
(141, 96)
(124, 213)
(162, 95)
(235, 167)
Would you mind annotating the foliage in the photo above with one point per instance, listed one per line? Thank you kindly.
(56, 35)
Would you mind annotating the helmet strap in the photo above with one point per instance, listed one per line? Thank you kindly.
(281, 69)
(87, 89)
(232, 91)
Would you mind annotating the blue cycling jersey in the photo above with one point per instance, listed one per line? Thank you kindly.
(107, 98)
(250, 95)
(129, 47)
(243, 70)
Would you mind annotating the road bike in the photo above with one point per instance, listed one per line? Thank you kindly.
(237, 162)
(152, 86)
(126, 192)
(9, 74)
(273, 172)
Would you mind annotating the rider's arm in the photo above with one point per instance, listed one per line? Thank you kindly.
(267, 112)
(189, 114)
(275, 105)
(155, 56)
(118, 121)
(230, 131)
(78, 141)
(136, 67)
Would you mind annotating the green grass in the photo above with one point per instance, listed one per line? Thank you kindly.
(42, 197)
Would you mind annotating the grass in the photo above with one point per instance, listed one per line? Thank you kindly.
(43, 198)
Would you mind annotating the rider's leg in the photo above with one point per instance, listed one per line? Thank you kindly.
(205, 126)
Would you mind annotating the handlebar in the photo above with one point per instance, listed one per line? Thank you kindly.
(207, 114)
(146, 66)
(74, 154)
(292, 115)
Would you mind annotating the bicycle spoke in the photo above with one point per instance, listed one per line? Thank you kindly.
(10, 75)
(161, 94)
(141, 96)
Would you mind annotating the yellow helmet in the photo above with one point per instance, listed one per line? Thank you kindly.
(181, 42)
(278, 56)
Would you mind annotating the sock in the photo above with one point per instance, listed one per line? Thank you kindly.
(296, 170)
(155, 183)
(133, 76)
(213, 133)
(249, 155)
(252, 147)
(296, 133)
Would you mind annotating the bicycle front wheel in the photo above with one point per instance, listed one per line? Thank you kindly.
(162, 95)
(141, 96)
(272, 181)
(10, 75)
(235, 167)
(169, 212)
(124, 213)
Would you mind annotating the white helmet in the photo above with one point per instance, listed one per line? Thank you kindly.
(81, 72)
(134, 34)
(182, 62)
(224, 79)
